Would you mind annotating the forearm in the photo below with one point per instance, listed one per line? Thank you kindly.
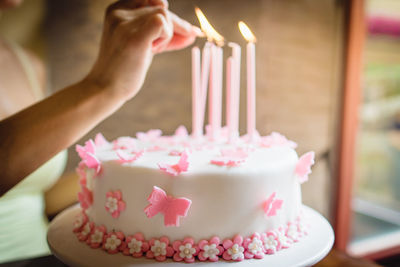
(31, 137)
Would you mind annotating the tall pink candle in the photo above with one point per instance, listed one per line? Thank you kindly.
(205, 73)
(234, 94)
(251, 90)
(215, 96)
(196, 93)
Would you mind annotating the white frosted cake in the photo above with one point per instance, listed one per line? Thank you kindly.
(191, 199)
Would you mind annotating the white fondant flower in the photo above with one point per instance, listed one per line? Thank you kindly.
(79, 221)
(255, 246)
(159, 248)
(86, 229)
(112, 242)
(97, 236)
(211, 251)
(283, 240)
(112, 204)
(236, 252)
(270, 243)
(135, 246)
(186, 251)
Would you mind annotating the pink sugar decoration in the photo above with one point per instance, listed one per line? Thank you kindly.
(276, 139)
(128, 158)
(231, 157)
(100, 140)
(181, 132)
(159, 249)
(185, 250)
(175, 152)
(85, 197)
(172, 208)
(135, 245)
(87, 154)
(111, 243)
(114, 203)
(155, 148)
(271, 205)
(175, 169)
(125, 142)
(303, 167)
(234, 249)
(151, 135)
(210, 249)
(254, 247)
(97, 236)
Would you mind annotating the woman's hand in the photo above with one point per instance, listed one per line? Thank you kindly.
(135, 30)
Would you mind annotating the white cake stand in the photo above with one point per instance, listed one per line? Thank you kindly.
(308, 251)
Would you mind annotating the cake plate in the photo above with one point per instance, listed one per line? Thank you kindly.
(308, 251)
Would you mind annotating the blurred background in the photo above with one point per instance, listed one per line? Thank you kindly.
(300, 72)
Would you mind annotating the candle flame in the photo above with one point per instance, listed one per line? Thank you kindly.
(206, 27)
(246, 32)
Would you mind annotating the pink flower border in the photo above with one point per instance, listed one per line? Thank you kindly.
(280, 236)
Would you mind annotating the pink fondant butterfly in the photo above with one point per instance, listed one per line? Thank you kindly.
(128, 158)
(100, 140)
(87, 154)
(181, 132)
(303, 167)
(175, 169)
(172, 208)
(231, 157)
(150, 135)
(271, 205)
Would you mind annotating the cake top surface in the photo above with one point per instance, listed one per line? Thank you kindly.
(180, 154)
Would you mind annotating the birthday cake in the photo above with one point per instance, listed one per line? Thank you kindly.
(190, 198)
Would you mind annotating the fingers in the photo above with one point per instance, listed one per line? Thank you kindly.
(184, 28)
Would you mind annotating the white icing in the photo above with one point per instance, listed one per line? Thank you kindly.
(227, 200)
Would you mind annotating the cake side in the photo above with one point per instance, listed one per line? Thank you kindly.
(220, 190)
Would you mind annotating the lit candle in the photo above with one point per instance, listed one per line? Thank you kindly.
(233, 92)
(196, 93)
(215, 84)
(251, 79)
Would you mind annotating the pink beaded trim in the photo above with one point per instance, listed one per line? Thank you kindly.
(238, 248)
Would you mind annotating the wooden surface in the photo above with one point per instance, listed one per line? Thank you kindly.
(337, 258)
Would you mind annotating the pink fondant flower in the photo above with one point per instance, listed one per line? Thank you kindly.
(276, 139)
(85, 197)
(81, 171)
(303, 167)
(113, 242)
(234, 249)
(160, 249)
(96, 238)
(185, 250)
(86, 231)
(175, 169)
(87, 154)
(231, 157)
(270, 242)
(155, 148)
(254, 247)
(302, 228)
(125, 157)
(172, 208)
(136, 245)
(124, 143)
(114, 203)
(283, 241)
(292, 232)
(210, 250)
(181, 132)
(271, 205)
(175, 152)
(150, 136)
(79, 222)
(100, 140)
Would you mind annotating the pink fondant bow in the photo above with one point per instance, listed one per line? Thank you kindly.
(169, 206)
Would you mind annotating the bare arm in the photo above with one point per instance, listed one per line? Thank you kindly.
(32, 136)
